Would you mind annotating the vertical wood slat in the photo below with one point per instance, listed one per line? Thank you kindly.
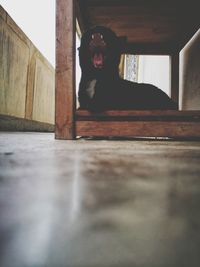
(30, 85)
(174, 74)
(65, 70)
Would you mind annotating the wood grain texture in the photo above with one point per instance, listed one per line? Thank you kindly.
(137, 114)
(138, 128)
(65, 69)
(149, 48)
(146, 21)
(151, 27)
(132, 123)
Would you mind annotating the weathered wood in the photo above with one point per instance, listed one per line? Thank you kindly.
(65, 69)
(145, 22)
(168, 123)
(139, 115)
(149, 49)
(138, 128)
(174, 73)
(148, 26)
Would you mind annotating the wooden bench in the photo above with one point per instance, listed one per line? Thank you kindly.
(152, 27)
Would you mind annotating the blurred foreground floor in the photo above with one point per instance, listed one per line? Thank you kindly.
(98, 203)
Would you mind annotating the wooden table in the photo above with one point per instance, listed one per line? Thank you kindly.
(151, 27)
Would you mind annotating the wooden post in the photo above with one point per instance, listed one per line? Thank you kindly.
(65, 70)
(174, 73)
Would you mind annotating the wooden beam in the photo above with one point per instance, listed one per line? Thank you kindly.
(129, 3)
(139, 115)
(174, 74)
(65, 70)
(138, 128)
(134, 123)
(148, 49)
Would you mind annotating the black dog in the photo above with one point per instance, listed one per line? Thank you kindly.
(101, 88)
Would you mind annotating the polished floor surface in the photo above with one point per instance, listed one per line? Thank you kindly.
(98, 203)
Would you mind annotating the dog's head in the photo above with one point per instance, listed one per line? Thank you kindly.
(99, 50)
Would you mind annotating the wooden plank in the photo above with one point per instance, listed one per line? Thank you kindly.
(162, 114)
(65, 70)
(174, 73)
(138, 129)
(129, 3)
(146, 21)
(146, 123)
(149, 48)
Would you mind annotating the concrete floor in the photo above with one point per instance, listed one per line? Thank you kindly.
(99, 203)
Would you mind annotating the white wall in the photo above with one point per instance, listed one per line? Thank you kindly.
(154, 70)
(36, 18)
(190, 74)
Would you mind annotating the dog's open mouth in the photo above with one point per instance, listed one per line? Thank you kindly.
(98, 60)
(97, 46)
